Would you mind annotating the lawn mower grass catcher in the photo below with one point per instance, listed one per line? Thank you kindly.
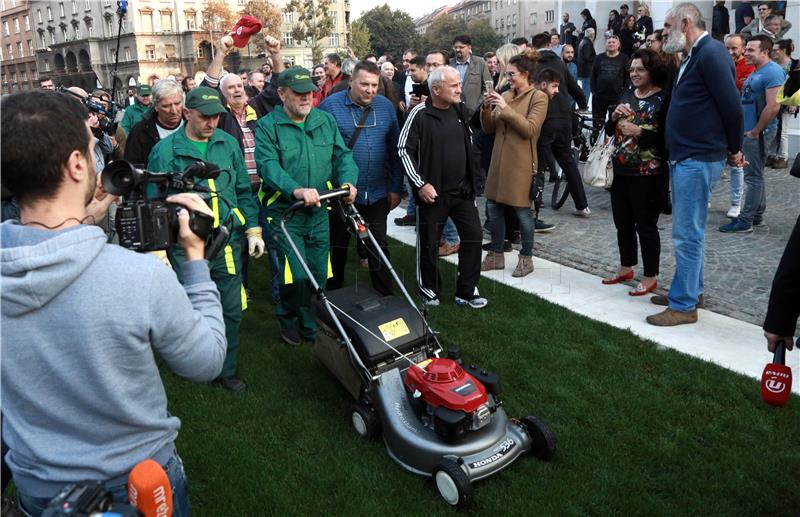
(439, 417)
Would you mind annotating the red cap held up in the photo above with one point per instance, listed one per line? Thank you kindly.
(243, 29)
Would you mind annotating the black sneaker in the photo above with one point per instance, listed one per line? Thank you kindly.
(757, 221)
(506, 246)
(542, 227)
(406, 220)
(290, 336)
(516, 238)
(231, 384)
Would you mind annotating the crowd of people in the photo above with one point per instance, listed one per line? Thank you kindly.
(440, 128)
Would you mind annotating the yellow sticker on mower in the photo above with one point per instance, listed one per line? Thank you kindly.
(394, 329)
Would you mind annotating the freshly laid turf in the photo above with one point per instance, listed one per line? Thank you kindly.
(640, 431)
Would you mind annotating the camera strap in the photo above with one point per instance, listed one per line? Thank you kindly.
(359, 126)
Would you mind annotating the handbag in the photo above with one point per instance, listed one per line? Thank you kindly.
(598, 170)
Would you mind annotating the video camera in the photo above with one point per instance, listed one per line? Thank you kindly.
(145, 221)
(89, 499)
(107, 124)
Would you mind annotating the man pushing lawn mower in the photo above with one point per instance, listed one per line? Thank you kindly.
(300, 152)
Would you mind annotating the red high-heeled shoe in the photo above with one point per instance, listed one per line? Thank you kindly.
(619, 278)
(641, 290)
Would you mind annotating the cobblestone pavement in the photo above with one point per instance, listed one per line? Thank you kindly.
(738, 269)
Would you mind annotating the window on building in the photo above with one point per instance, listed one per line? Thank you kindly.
(333, 17)
(508, 20)
(77, 29)
(112, 52)
(201, 51)
(74, 7)
(549, 16)
(191, 20)
(333, 40)
(16, 25)
(30, 47)
(13, 77)
(149, 51)
(34, 74)
(27, 22)
(39, 16)
(52, 36)
(49, 14)
(90, 30)
(110, 26)
(46, 65)
(147, 21)
(496, 23)
(288, 18)
(20, 52)
(61, 8)
(5, 29)
(288, 40)
(513, 19)
(166, 21)
(24, 76)
(87, 5)
(42, 40)
(534, 19)
(64, 33)
(127, 53)
(10, 51)
(169, 50)
(124, 25)
(107, 3)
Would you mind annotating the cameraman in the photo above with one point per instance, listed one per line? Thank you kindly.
(199, 139)
(81, 394)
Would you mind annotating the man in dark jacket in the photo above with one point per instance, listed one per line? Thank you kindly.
(162, 121)
(720, 21)
(555, 142)
(609, 78)
(435, 147)
(783, 309)
(585, 61)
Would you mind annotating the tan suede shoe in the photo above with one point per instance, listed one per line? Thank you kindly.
(670, 318)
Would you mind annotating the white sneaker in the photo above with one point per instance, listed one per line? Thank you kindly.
(430, 302)
(475, 301)
(582, 213)
(733, 213)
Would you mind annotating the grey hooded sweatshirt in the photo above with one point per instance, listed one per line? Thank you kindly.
(82, 398)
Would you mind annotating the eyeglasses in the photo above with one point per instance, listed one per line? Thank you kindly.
(368, 122)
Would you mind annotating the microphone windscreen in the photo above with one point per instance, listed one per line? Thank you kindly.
(776, 381)
(149, 489)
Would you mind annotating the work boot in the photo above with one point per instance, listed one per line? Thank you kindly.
(493, 260)
(780, 163)
(670, 318)
(660, 299)
(524, 267)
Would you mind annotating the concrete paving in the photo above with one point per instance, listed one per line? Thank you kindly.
(570, 262)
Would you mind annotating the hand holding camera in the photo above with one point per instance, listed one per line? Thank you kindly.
(192, 243)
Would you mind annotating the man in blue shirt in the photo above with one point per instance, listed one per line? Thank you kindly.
(760, 108)
(369, 126)
(703, 129)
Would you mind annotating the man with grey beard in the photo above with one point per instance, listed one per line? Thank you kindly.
(704, 129)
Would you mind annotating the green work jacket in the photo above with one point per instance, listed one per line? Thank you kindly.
(289, 157)
(176, 152)
(133, 115)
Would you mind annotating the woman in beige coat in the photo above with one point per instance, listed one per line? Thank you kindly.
(516, 118)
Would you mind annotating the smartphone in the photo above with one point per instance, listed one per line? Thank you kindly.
(488, 85)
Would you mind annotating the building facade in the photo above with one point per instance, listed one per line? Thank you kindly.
(17, 47)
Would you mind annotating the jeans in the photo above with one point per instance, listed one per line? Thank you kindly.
(691, 182)
(737, 185)
(755, 196)
(34, 506)
(498, 226)
(586, 87)
(450, 233)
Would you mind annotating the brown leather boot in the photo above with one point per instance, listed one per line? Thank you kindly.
(660, 299)
(493, 260)
(670, 318)
(524, 267)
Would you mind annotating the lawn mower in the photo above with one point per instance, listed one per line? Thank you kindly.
(439, 416)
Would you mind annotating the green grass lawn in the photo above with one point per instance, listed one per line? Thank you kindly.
(640, 430)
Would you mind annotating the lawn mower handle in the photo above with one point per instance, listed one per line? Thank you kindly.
(324, 195)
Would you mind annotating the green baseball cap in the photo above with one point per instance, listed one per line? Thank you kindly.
(205, 100)
(298, 79)
(144, 90)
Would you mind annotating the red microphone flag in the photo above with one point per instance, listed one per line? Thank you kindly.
(149, 489)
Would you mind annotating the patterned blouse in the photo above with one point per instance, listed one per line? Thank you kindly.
(644, 155)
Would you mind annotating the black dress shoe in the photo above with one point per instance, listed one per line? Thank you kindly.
(290, 336)
(231, 384)
(406, 220)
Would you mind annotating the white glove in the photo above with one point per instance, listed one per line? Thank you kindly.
(255, 246)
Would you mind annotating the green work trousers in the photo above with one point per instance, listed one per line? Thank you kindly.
(226, 274)
(310, 233)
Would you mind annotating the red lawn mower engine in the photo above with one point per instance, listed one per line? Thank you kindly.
(452, 399)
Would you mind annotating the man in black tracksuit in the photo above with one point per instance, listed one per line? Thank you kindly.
(555, 141)
(608, 81)
(436, 150)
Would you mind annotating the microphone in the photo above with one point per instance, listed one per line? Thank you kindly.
(776, 381)
(149, 489)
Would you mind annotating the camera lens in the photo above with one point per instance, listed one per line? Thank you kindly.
(119, 178)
